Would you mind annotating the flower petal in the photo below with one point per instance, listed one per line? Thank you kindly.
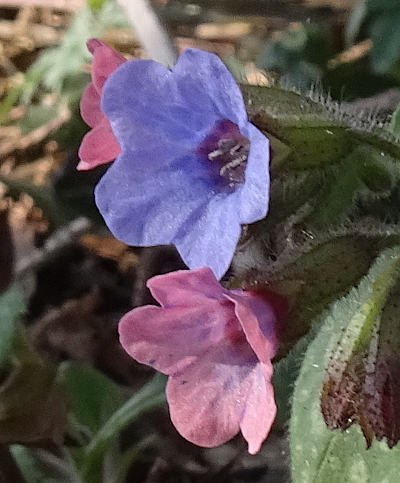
(185, 287)
(99, 146)
(105, 61)
(206, 83)
(90, 106)
(170, 339)
(212, 237)
(148, 197)
(258, 321)
(254, 193)
(260, 410)
(144, 94)
(224, 391)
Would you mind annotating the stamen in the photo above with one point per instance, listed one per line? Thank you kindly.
(235, 148)
(215, 154)
(227, 149)
(232, 156)
(233, 164)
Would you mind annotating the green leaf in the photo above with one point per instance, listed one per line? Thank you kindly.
(95, 4)
(12, 305)
(319, 454)
(37, 116)
(92, 396)
(386, 40)
(41, 466)
(355, 21)
(285, 374)
(300, 55)
(317, 278)
(314, 137)
(381, 5)
(151, 395)
(395, 122)
(365, 173)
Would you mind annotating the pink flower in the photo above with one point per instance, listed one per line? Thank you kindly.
(99, 146)
(216, 345)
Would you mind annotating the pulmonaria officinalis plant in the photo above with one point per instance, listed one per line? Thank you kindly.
(216, 345)
(192, 168)
(99, 146)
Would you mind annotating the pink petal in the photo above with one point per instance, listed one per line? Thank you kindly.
(99, 146)
(105, 61)
(169, 339)
(260, 410)
(90, 106)
(258, 321)
(186, 287)
(93, 44)
(225, 391)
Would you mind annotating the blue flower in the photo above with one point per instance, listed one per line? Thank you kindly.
(192, 168)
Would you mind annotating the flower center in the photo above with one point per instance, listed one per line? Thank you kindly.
(232, 156)
(227, 151)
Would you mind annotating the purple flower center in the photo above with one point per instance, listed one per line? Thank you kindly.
(226, 150)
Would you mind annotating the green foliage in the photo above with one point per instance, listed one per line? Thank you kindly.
(92, 396)
(95, 4)
(386, 39)
(151, 395)
(12, 305)
(315, 134)
(316, 278)
(36, 116)
(41, 466)
(381, 18)
(59, 69)
(300, 55)
(395, 123)
(325, 161)
(43, 419)
(314, 137)
(285, 374)
(319, 454)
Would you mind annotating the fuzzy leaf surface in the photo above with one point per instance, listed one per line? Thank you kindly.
(318, 453)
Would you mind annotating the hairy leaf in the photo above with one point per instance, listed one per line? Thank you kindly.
(314, 279)
(318, 453)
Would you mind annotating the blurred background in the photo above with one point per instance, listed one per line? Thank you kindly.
(77, 280)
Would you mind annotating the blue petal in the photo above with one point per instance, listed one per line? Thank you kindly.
(254, 193)
(145, 94)
(146, 196)
(205, 80)
(211, 239)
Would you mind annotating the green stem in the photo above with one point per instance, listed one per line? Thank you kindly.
(150, 396)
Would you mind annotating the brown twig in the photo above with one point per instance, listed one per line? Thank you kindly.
(34, 137)
(42, 35)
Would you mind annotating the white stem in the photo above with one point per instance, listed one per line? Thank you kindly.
(150, 31)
